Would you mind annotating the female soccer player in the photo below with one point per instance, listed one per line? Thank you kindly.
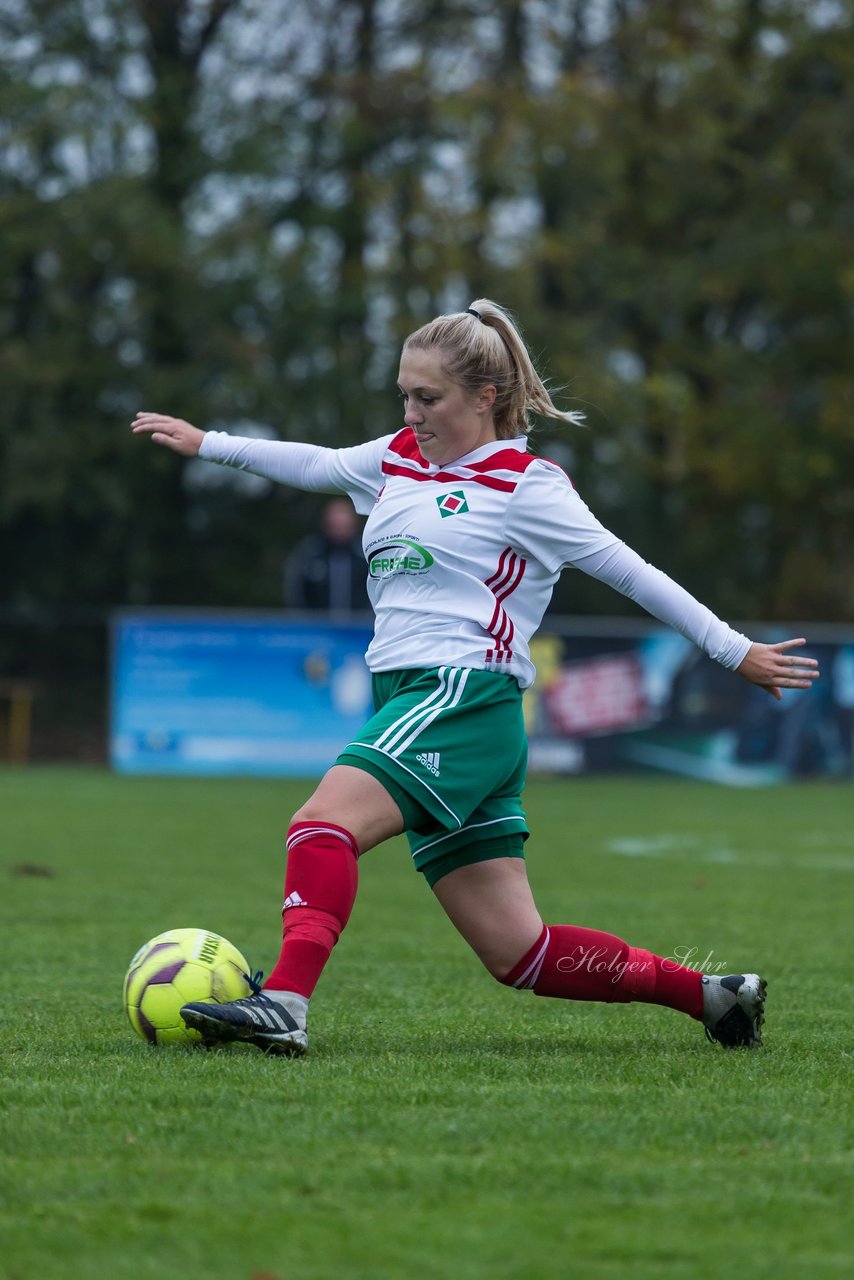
(466, 535)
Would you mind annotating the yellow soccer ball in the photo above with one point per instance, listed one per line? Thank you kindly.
(177, 967)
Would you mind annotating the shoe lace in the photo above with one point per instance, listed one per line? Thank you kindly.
(255, 979)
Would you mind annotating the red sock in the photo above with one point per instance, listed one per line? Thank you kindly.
(320, 889)
(583, 964)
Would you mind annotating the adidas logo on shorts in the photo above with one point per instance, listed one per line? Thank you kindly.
(430, 760)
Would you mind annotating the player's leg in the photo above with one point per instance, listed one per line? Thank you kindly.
(491, 904)
(349, 813)
(410, 767)
(371, 793)
(356, 801)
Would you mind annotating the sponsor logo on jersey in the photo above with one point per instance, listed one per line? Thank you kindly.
(452, 504)
(398, 555)
(430, 760)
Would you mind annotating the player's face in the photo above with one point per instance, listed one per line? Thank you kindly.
(447, 420)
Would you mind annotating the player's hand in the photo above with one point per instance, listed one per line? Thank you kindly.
(772, 667)
(175, 433)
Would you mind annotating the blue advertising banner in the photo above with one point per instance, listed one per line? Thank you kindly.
(226, 694)
(196, 693)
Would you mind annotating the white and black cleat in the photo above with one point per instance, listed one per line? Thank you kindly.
(255, 1019)
(734, 1009)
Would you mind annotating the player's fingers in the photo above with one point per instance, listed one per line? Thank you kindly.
(800, 661)
(150, 419)
(801, 668)
(789, 678)
(147, 424)
(169, 426)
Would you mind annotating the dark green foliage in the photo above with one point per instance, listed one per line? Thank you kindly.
(234, 211)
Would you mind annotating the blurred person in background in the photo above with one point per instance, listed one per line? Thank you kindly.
(326, 571)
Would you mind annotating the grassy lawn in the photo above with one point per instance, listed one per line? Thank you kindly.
(441, 1126)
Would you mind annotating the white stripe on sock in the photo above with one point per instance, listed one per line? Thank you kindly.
(300, 836)
(529, 977)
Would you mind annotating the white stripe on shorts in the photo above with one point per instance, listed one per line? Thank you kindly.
(424, 713)
(470, 826)
(402, 723)
(450, 700)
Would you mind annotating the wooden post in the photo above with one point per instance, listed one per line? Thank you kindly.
(20, 695)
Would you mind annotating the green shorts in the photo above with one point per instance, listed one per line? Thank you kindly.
(449, 746)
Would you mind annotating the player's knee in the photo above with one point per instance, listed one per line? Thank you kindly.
(316, 808)
(498, 966)
(512, 967)
(306, 813)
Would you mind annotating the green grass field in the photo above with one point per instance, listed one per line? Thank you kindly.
(441, 1126)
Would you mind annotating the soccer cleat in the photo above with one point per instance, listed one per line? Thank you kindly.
(255, 1019)
(734, 1009)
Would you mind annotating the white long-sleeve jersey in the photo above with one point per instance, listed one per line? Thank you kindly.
(462, 559)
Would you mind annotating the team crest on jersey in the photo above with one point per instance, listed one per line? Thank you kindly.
(452, 504)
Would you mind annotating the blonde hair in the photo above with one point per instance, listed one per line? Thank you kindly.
(481, 346)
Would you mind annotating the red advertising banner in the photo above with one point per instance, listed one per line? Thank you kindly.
(613, 695)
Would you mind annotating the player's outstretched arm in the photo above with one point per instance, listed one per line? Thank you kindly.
(174, 433)
(773, 668)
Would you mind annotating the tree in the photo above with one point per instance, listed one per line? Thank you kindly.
(235, 210)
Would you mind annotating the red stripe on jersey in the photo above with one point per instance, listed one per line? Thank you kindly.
(508, 575)
(502, 583)
(405, 445)
(508, 630)
(503, 655)
(511, 578)
(502, 630)
(517, 578)
(500, 627)
(499, 572)
(391, 469)
(491, 482)
(449, 477)
(506, 460)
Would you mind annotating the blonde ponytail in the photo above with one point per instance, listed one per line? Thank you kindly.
(481, 346)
